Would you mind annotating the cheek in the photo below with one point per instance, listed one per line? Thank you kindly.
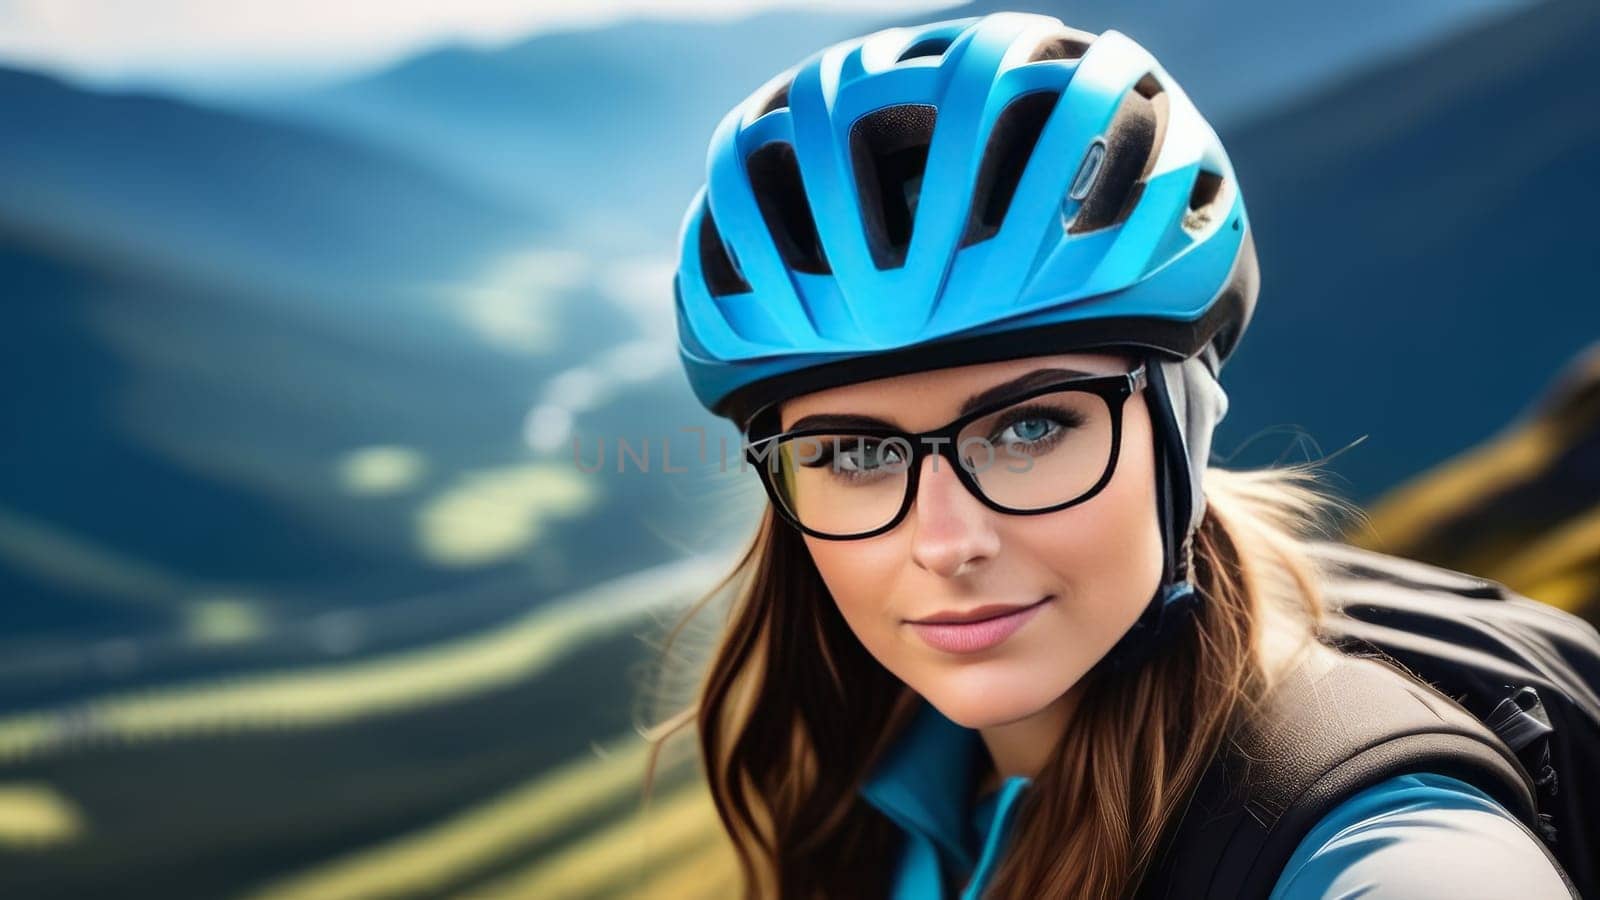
(1106, 553)
(863, 577)
(858, 574)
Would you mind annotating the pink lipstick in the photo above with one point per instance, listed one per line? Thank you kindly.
(971, 635)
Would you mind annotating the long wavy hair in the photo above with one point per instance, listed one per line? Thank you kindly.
(792, 712)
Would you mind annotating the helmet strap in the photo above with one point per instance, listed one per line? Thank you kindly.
(1185, 402)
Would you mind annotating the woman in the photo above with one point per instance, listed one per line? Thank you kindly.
(966, 289)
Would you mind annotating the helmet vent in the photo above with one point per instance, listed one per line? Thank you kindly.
(775, 177)
(716, 263)
(889, 149)
(1130, 142)
(1202, 197)
(1071, 44)
(932, 46)
(1011, 142)
(778, 100)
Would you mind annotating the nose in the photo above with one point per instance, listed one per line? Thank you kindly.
(954, 531)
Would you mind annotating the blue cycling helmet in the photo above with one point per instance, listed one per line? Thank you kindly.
(963, 192)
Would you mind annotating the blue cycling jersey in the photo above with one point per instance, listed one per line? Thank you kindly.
(1411, 836)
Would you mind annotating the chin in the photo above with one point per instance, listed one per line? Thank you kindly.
(985, 703)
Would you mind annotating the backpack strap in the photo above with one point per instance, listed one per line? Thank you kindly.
(1333, 726)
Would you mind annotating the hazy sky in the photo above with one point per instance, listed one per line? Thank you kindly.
(242, 40)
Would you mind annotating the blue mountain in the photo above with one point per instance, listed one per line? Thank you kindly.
(1428, 255)
(208, 190)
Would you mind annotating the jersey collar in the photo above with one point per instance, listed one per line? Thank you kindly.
(924, 780)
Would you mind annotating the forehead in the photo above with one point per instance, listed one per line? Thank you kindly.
(926, 399)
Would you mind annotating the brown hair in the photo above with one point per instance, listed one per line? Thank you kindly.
(792, 711)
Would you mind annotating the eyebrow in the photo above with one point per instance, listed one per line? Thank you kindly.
(985, 397)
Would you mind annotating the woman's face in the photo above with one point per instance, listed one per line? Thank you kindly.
(1094, 565)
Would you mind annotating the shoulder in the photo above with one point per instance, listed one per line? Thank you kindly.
(1419, 836)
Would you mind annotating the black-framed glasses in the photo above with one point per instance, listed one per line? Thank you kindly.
(1038, 451)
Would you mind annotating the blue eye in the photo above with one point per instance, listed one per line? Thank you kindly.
(1036, 427)
(1029, 430)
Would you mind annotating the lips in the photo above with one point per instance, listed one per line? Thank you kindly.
(987, 630)
(976, 614)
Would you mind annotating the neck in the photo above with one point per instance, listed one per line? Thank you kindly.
(1020, 747)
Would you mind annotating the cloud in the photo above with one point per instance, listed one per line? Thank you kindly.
(114, 39)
